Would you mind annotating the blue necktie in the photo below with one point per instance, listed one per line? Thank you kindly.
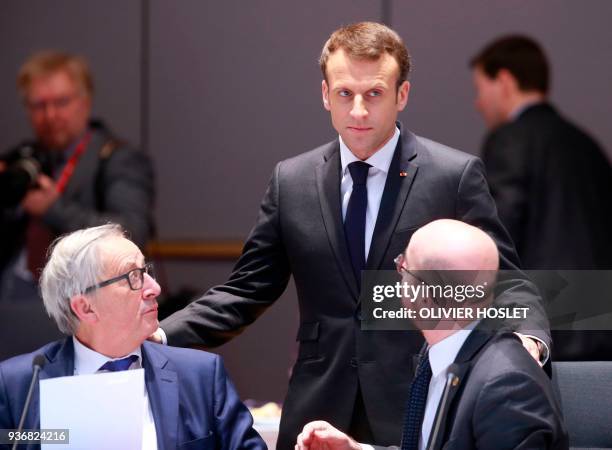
(417, 398)
(119, 364)
(355, 219)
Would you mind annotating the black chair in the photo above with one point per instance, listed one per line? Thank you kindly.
(585, 392)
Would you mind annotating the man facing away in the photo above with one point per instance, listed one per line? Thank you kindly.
(74, 174)
(100, 292)
(347, 206)
(475, 388)
(551, 181)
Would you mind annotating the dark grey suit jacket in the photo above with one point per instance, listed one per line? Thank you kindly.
(299, 232)
(502, 399)
(553, 189)
(118, 187)
(125, 191)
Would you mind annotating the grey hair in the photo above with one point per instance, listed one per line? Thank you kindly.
(74, 265)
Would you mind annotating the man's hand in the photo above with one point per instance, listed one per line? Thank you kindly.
(531, 346)
(320, 435)
(156, 337)
(37, 201)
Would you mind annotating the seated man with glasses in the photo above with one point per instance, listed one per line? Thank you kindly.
(101, 293)
(475, 387)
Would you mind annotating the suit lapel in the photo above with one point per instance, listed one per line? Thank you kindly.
(60, 363)
(460, 371)
(463, 362)
(328, 186)
(162, 388)
(399, 181)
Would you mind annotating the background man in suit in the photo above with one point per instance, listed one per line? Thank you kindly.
(497, 396)
(74, 175)
(349, 205)
(99, 290)
(550, 180)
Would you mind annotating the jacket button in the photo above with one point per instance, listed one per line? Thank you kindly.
(353, 362)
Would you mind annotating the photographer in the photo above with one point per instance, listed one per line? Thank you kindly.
(74, 175)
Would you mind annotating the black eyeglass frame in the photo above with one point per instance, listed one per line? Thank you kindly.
(399, 266)
(148, 269)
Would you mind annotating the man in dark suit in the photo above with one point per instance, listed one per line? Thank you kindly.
(475, 387)
(98, 289)
(75, 174)
(328, 214)
(551, 181)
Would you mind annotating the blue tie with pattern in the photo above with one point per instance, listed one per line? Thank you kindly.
(417, 398)
(355, 219)
(119, 364)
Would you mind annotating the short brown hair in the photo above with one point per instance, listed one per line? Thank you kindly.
(51, 61)
(521, 56)
(368, 40)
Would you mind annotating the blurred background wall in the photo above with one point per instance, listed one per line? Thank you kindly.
(218, 91)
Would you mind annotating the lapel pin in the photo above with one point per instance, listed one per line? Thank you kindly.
(403, 174)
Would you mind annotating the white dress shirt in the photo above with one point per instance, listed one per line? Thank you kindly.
(88, 361)
(377, 176)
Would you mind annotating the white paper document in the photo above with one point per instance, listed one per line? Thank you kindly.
(101, 411)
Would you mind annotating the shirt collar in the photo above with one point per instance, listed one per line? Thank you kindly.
(88, 361)
(442, 354)
(521, 109)
(381, 160)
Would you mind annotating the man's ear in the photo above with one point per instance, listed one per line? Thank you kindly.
(82, 307)
(402, 95)
(507, 80)
(325, 94)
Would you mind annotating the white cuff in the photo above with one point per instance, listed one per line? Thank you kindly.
(163, 336)
(544, 350)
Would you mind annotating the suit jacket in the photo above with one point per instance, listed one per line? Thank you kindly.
(299, 232)
(553, 189)
(502, 399)
(118, 187)
(194, 403)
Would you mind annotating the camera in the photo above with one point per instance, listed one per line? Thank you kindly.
(21, 170)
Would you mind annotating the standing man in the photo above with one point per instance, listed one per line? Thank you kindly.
(550, 180)
(349, 205)
(73, 175)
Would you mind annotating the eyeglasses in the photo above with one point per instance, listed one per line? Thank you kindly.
(399, 266)
(134, 277)
(399, 263)
(57, 103)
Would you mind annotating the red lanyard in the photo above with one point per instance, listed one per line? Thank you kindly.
(72, 162)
